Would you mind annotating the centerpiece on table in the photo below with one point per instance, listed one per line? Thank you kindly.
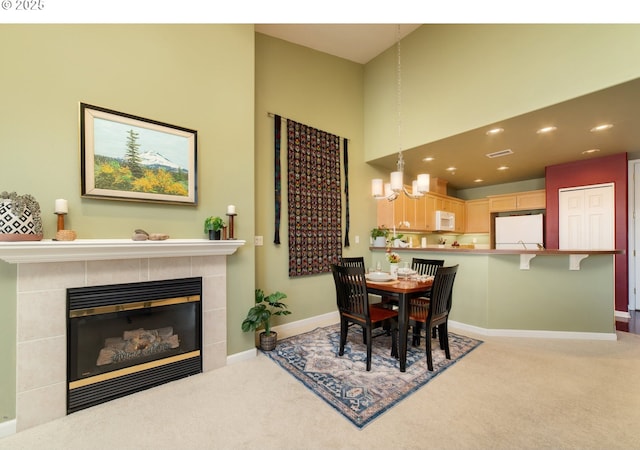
(394, 260)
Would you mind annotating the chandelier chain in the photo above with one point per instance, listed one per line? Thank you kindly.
(399, 96)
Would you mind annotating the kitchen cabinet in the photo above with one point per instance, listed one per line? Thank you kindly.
(477, 216)
(410, 214)
(404, 213)
(518, 201)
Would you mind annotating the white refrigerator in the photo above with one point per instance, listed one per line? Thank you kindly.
(519, 232)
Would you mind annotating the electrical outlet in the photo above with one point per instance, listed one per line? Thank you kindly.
(258, 241)
(357, 239)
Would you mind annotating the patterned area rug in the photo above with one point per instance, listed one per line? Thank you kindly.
(344, 383)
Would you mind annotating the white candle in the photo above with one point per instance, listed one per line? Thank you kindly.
(62, 206)
(231, 209)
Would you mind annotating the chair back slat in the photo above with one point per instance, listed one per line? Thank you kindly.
(351, 291)
(426, 266)
(441, 292)
(354, 261)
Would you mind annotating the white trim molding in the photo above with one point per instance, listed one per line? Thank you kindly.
(545, 334)
(109, 249)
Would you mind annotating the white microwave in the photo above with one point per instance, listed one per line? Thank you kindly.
(445, 221)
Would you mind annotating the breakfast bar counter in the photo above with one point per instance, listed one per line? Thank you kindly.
(566, 294)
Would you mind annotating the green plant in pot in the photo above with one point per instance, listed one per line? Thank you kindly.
(259, 316)
(214, 225)
(379, 236)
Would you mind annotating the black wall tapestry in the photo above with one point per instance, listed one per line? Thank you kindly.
(277, 182)
(314, 196)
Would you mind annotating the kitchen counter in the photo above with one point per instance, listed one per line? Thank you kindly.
(492, 251)
(497, 293)
(575, 256)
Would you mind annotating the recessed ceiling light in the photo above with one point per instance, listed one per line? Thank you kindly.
(493, 131)
(451, 169)
(592, 150)
(546, 130)
(503, 168)
(478, 180)
(428, 158)
(602, 127)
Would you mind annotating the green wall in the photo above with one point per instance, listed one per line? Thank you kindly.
(195, 76)
(457, 78)
(8, 311)
(324, 92)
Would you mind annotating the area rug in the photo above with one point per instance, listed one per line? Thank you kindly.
(344, 383)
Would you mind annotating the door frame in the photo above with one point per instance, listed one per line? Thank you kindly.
(633, 186)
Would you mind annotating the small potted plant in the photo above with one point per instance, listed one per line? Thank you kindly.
(259, 316)
(214, 225)
(394, 260)
(379, 236)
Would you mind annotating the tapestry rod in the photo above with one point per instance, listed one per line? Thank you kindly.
(270, 114)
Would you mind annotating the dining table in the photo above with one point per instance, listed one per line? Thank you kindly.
(403, 290)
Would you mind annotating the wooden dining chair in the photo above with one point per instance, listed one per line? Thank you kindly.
(426, 267)
(434, 312)
(354, 308)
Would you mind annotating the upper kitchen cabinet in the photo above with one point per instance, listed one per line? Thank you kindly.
(403, 213)
(518, 201)
(477, 216)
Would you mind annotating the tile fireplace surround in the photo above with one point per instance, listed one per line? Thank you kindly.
(47, 268)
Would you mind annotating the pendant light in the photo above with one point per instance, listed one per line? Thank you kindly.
(395, 187)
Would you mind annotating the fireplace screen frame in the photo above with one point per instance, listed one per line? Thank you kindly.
(132, 298)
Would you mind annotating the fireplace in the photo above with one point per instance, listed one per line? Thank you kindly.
(124, 338)
(46, 269)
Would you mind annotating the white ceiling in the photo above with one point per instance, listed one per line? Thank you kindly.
(467, 151)
(356, 42)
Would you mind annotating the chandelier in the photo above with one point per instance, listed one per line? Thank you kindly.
(392, 190)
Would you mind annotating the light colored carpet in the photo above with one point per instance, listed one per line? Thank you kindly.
(508, 393)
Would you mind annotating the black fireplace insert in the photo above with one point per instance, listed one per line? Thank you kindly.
(124, 338)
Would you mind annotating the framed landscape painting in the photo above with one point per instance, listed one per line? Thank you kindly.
(124, 157)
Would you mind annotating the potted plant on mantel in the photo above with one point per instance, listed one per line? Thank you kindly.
(214, 225)
(259, 316)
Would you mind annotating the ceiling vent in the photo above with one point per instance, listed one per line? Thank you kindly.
(500, 153)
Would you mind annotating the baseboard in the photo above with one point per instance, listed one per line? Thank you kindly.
(304, 325)
(623, 316)
(242, 356)
(453, 325)
(290, 329)
(8, 428)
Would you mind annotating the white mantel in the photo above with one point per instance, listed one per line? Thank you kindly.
(109, 249)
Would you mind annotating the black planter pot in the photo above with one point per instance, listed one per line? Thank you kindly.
(214, 235)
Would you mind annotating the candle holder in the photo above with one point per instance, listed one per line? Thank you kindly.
(231, 217)
(60, 220)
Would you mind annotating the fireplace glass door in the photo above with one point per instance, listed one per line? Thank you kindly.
(128, 337)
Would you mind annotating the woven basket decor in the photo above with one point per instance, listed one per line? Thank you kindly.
(19, 218)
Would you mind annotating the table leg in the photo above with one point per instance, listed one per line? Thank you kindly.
(403, 327)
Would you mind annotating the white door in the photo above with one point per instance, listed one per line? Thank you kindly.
(587, 218)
